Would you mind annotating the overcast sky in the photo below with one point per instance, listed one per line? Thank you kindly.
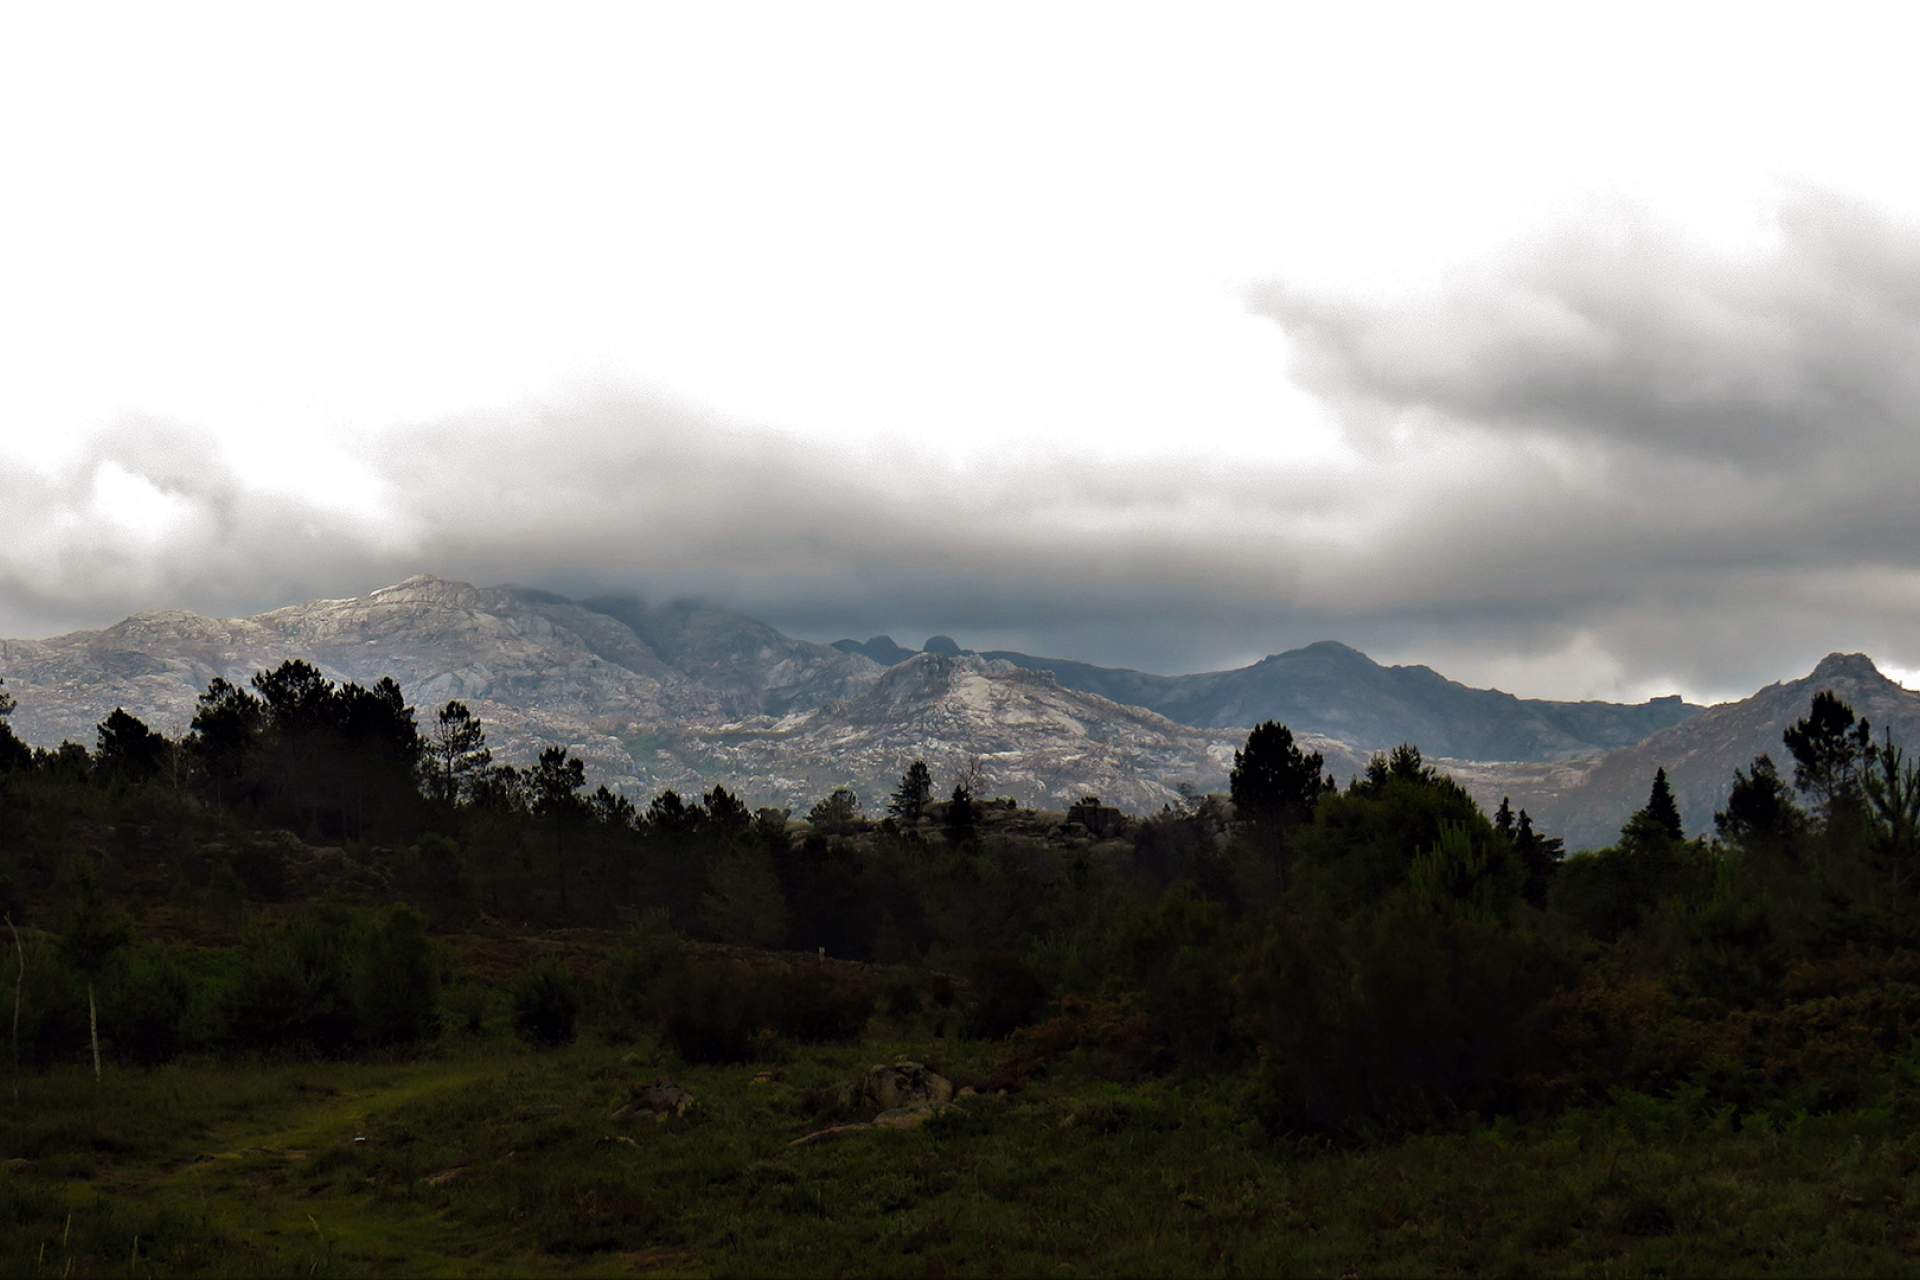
(1574, 352)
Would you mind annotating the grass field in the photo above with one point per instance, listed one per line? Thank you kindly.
(484, 1157)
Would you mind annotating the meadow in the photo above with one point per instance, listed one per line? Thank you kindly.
(482, 1156)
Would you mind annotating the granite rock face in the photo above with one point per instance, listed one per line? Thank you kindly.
(683, 695)
(649, 696)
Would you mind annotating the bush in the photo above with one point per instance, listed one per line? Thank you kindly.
(1395, 1018)
(814, 1008)
(724, 1012)
(292, 991)
(331, 980)
(707, 1015)
(902, 999)
(467, 1003)
(393, 983)
(53, 1006)
(546, 1006)
(627, 980)
(1007, 996)
(146, 1007)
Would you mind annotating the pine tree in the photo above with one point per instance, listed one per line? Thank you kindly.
(1274, 782)
(910, 797)
(1275, 786)
(1832, 749)
(127, 750)
(960, 817)
(1661, 807)
(1760, 808)
(456, 755)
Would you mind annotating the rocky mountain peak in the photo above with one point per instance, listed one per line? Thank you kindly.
(1846, 666)
(942, 644)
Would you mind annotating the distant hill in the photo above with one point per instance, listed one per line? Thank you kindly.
(1036, 740)
(676, 694)
(1336, 691)
(617, 683)
(1587, 801)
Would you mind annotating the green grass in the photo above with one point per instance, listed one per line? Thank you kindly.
(244, 1170)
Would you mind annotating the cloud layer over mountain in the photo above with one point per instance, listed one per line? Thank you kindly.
(1609, 463)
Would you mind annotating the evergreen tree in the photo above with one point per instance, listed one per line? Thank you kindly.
(838, 814)
(1539, 857)
(727, 819)
(1893, 791)
(1760, 808)
(670, 818)
(1661, 807)
(14, 754)
(961, 819)
(227, 723)
(456, 755)
(1503, 819)
(1831, 749)
(1274, 782)
(608, 808)
(910, 797)
(554, 784)
(128, 751)
(553, 793)
(1275, 786)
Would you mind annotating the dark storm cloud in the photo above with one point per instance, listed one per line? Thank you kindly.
(1611, 456)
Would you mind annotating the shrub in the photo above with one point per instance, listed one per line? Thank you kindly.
(147, 1005)
(902, 999)
(293, 985)
(546, 1006)
(723, 1012)
(817, 1007)
(393, 983)
(706, 1015)
(1007, 996)
(626, 981)
(1395, 1018)
(467, 1002)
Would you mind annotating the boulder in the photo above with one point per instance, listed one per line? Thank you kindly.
(903, 1084)
(661, 1099)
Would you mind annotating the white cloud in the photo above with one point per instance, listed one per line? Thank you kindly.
(998, 258)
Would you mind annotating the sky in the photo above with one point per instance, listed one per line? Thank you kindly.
(1568, 350)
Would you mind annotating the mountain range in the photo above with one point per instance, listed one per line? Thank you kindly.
(1336, 691)
(684, 695)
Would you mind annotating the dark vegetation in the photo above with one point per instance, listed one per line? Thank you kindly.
(308, 876)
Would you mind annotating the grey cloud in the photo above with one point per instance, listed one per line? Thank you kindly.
(1605, 458)
(1633, 338)
(1685, 456)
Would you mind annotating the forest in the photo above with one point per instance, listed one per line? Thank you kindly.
(1297, 985)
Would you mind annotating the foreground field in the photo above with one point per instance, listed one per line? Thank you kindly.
(486, 1158)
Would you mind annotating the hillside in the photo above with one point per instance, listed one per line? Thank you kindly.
(1336, 691)
(537, 668)
(1586, 801)
(1035, 739)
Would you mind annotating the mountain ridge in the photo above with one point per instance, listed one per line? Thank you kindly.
(682, 694)
(1586, 801)
(1313, 689)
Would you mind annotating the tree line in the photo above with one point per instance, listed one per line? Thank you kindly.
(1382, 954)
